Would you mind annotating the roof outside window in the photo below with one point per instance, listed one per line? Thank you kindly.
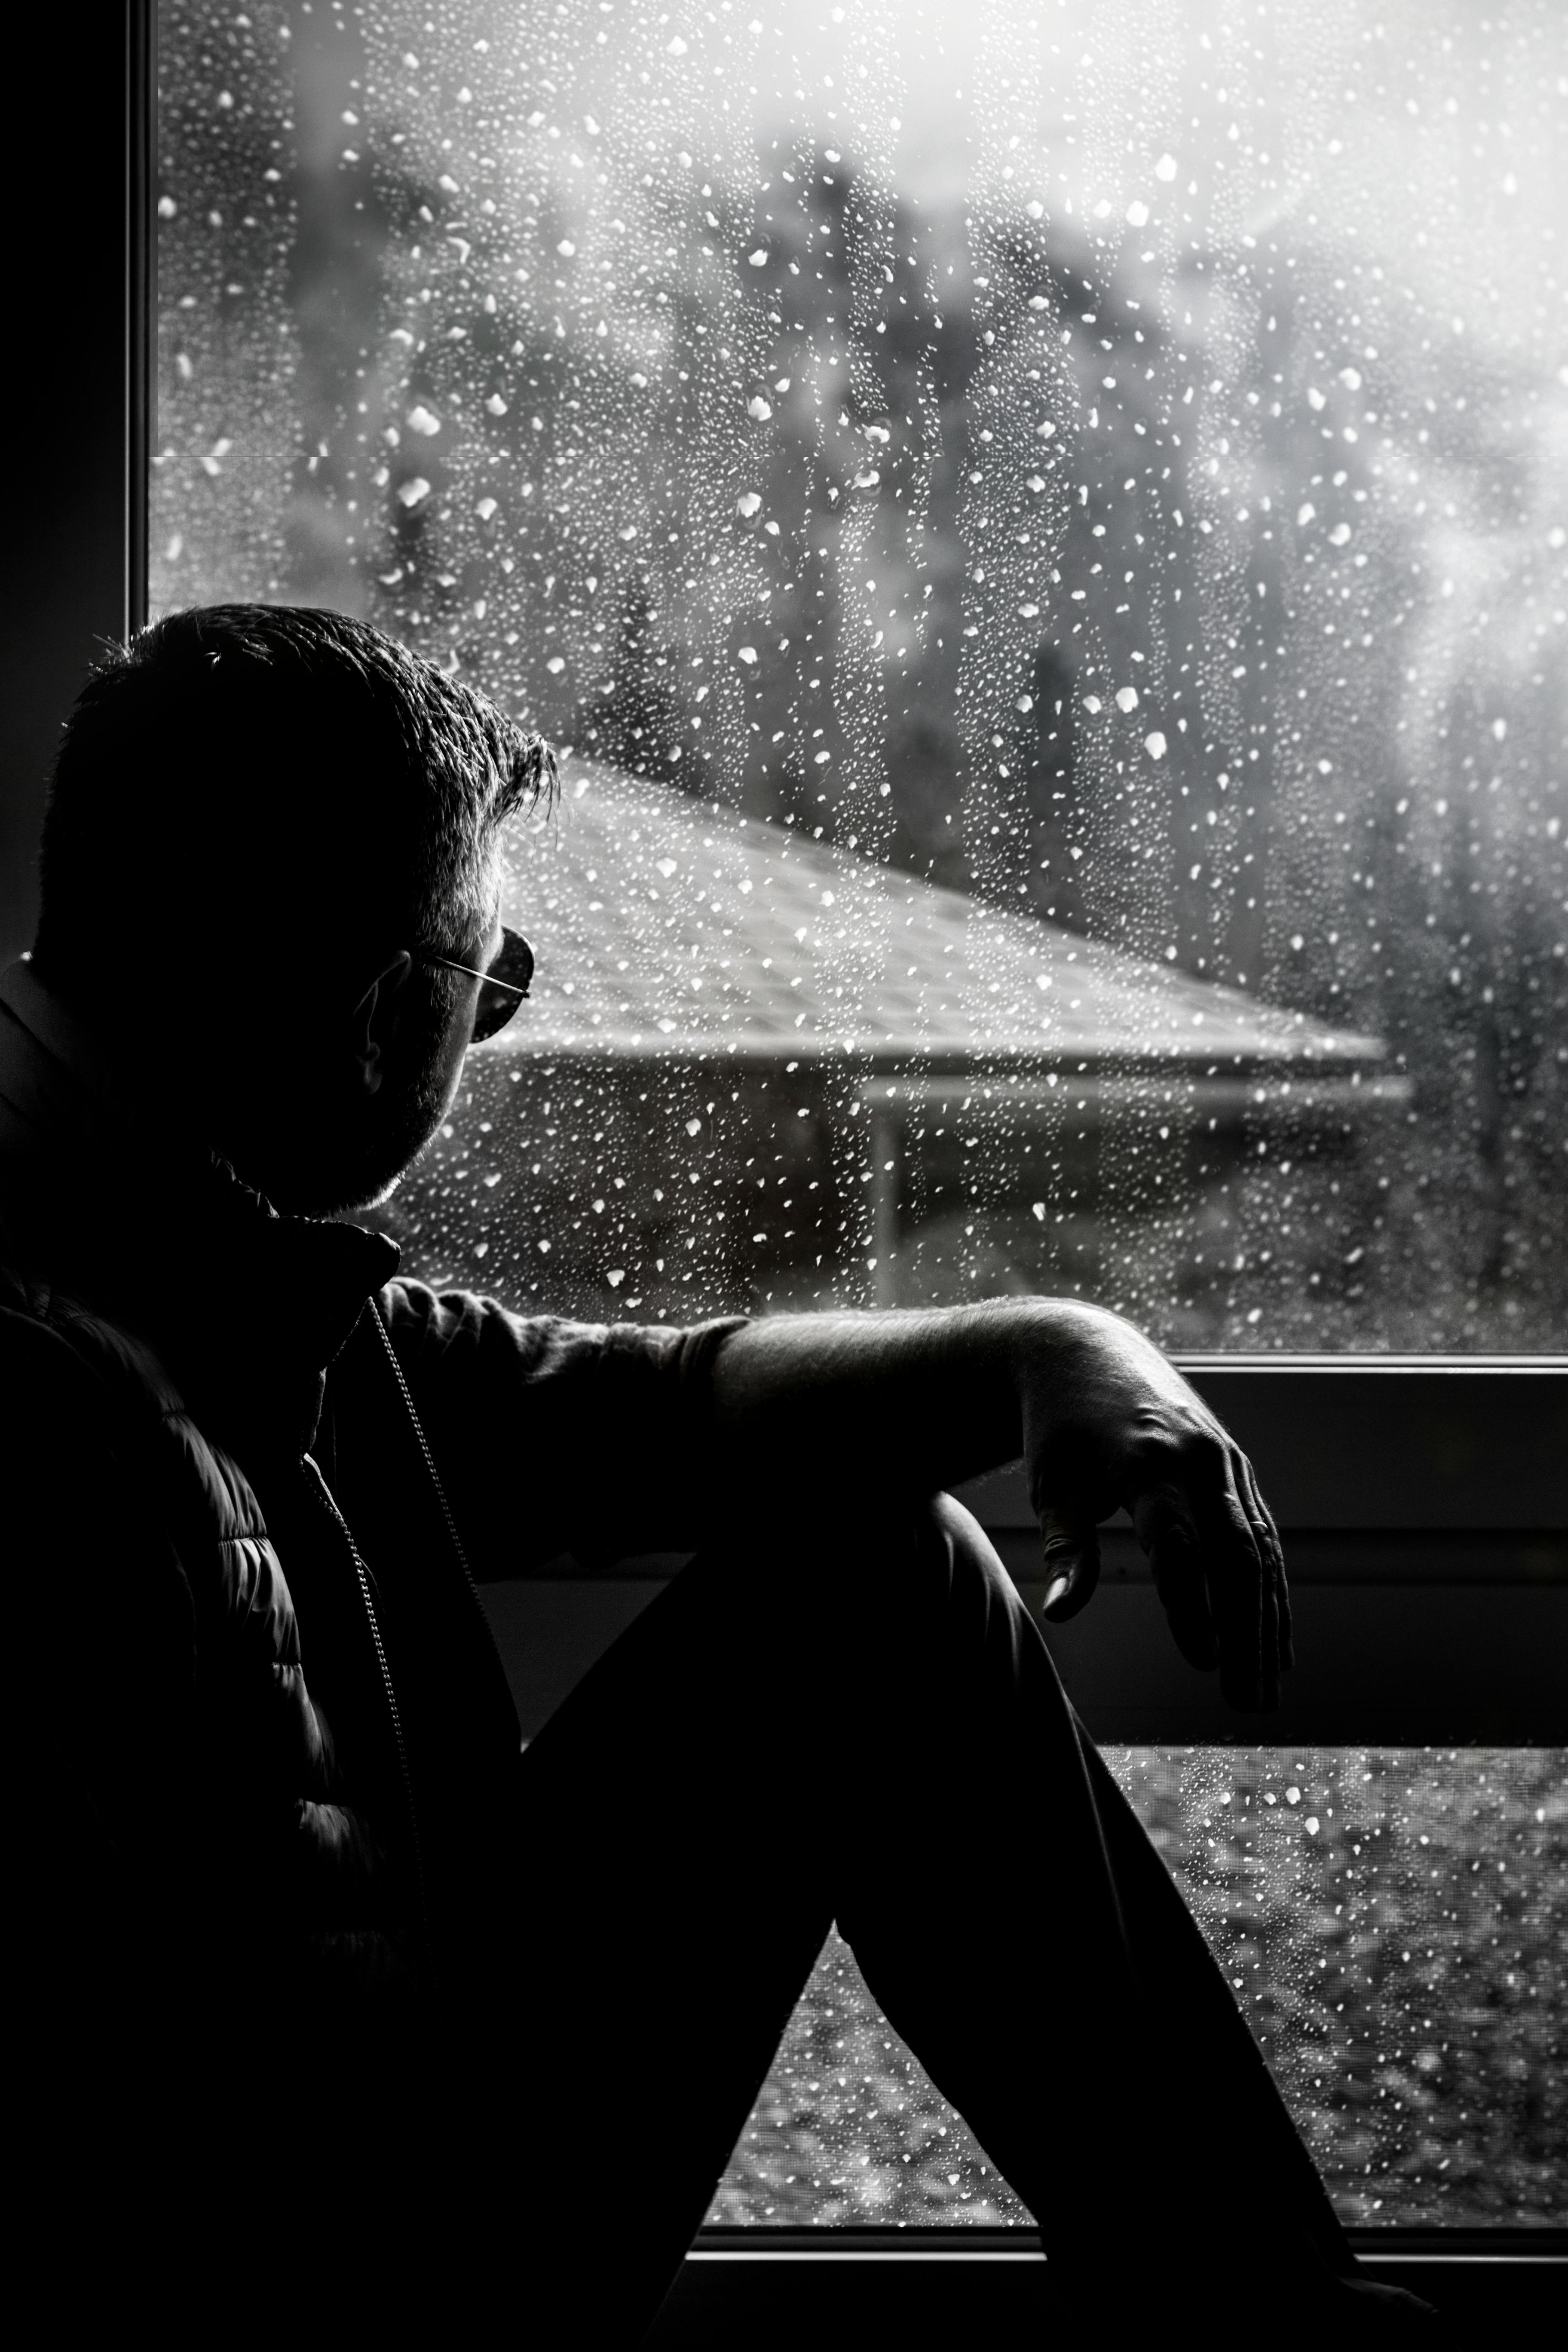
(668, 926)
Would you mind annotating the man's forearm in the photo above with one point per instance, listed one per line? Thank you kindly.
(919, 1400)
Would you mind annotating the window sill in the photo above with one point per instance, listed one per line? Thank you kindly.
(941, 2286)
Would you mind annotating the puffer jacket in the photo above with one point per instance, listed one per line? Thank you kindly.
(261, 1741)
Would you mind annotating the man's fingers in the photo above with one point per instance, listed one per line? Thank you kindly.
(1242, 1581)
(1274, 1553)
(1219, 1571)
(1287, 1629)
(1213, 1547)
(1165, 1527)
(1069, 1553)
(1253, 1635)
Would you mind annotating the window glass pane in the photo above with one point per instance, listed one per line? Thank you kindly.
(1042, 528)
(1395, 1922)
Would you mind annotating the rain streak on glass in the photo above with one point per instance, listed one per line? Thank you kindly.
(1041, 530)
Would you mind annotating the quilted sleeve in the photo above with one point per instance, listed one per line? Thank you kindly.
(102, 1721)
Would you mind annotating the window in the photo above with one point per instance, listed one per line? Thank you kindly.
(1044, 541)
(1048, 554)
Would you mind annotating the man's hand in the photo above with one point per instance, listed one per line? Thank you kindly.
(921, 1401)
(1110, 1425)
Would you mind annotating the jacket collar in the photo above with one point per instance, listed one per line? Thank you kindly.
(52, 1080)
(246, 1307)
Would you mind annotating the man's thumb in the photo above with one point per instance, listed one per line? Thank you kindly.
(1069, 1552)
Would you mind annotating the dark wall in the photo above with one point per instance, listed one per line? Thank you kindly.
(66, 568)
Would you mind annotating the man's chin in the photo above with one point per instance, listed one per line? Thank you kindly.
(345, 1174)
(384, 1192)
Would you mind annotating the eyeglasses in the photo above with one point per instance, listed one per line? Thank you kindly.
(502, 988)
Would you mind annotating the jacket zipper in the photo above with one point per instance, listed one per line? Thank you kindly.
(368, 1597)
(434, 1477)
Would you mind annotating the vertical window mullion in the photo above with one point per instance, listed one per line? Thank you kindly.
(141, 292)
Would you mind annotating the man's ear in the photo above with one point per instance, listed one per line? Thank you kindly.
(376, 1017)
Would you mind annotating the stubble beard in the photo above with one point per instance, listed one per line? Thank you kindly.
(363, 1168)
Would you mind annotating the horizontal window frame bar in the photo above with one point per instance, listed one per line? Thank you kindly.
(966, 2242)
(1289, 1364)
(1397, 1666)
(934, 2286)
(1375, 1441)
(1423, 1558)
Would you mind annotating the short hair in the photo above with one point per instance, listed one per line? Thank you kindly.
(241, 777)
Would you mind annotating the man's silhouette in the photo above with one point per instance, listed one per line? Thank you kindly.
(336, 2001)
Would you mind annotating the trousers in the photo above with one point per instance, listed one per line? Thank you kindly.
(858, 1722)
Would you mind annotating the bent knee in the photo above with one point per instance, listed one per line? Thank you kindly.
(962, 1624)
(914, 1555)
(957, 1526)
(971, 1558)
(934, 1551)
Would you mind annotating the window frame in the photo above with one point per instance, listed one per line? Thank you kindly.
(77, 575)
(1433, 1474)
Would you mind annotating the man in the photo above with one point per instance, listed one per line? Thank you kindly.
(336, 1996)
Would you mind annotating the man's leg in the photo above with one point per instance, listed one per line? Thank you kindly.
(863, 1722)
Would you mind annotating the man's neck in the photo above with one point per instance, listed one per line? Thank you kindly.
(80, 1114)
